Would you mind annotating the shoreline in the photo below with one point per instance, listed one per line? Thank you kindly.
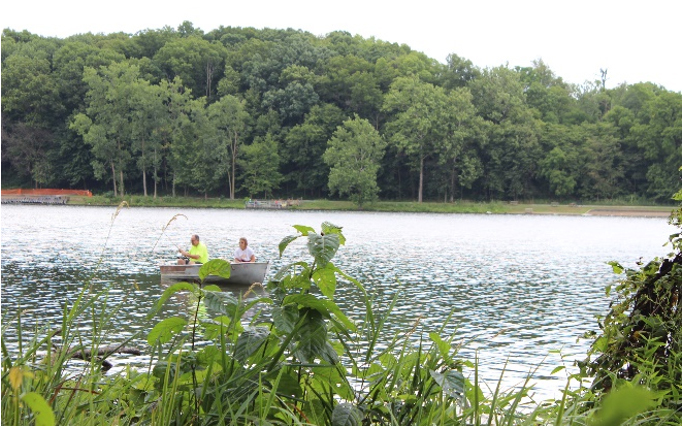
(630, 212)
(462, 207)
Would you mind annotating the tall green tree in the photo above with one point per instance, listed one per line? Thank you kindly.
(148, 122)
(602, 176)
(106, 125)
(349, 82)
(513, 151)
(69, 63)
(199, 63)
(27, 148)
(659, 136)
(459, 72)
(304, 146)
(419, 126)
(228, 123)
(354, 155)
(260, 167)
(193, 160)
(465, 132)
(562, 164)
(30, 93)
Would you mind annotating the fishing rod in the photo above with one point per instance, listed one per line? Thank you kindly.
(163, 232)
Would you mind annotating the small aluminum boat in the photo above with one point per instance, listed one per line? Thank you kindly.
(240, 273)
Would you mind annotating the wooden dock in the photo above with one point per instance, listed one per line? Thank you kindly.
(36, 199)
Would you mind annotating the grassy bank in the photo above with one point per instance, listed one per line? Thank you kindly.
(498, 207)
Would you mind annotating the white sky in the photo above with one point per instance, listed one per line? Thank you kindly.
(634, 40)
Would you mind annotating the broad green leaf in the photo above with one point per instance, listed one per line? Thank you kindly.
(325, 278)
(323, 247)
(285, 280)
(208, 355)
(304, 230)
(164, 330)
(329, 354)
(617, 268)
(285, 242)
(249, 342)
(221, 302)
(181, 286)
(312, 338)
(329, 228)
(452, 382)
(325, 307)
(217, 267)
(288, 384)
(212, 287)
(301, 281)
(622, 404)
(285, 317)
(41, 410)
(334, 376)
(308, 301)
(345, 414)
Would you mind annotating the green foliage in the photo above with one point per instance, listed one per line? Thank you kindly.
(260, 163)
(622, 404)
(228, 120)
(454, 129)
(641, 336)
(354, 154)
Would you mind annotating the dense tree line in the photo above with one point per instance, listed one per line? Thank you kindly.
(241, 112)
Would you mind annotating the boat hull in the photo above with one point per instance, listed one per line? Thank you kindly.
(240, 273)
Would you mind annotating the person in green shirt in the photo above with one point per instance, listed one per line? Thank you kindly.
(197, 254)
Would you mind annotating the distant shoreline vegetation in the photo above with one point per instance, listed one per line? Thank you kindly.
(242, 112)
(462, 206)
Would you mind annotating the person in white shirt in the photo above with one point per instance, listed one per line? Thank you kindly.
(244, 252)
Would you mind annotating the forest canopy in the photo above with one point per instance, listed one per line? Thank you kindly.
(243, 112)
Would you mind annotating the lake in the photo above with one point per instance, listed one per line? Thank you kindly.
(520, 287)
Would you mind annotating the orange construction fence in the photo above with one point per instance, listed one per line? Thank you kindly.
(46, 192)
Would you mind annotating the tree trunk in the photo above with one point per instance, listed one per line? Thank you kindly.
(234, 162)
(113, 178)
(120, 186)
(453, 182)
(156, 172)
(144, 180)
(421, 179)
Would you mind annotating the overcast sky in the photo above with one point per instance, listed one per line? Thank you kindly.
(634, 40)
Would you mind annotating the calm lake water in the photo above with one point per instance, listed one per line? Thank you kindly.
(521, 286)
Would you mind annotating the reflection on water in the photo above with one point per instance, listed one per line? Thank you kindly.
(517, 287)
